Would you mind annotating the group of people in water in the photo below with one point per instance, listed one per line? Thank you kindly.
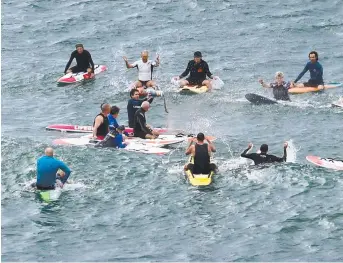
(108, 133)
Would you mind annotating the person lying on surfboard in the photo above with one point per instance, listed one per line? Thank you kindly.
(280, 87)
(263, 157)
(101, 123)
(140, 128)
(201, 152)
(198, 70)
(316, 73)
(134, 104)
(83, 60)
(145, 68)
(47, 168)
(114, 139)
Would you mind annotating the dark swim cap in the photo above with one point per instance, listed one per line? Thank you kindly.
(121, 128)
(201, 137)
(197, 54)
(78, 45)
(264, 148)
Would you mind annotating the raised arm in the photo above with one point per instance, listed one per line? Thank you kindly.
(127, 63)
(263, 84)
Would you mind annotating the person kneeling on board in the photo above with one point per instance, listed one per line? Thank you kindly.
(198, 70)
(280, 87)
(114, 138)
(140, 128)
(47, 176)
(83, 60)
(134, 104)
(263, 157)
(201, 152)
(101, 123)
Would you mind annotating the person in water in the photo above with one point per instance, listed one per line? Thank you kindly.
(114, 139)
(101, 123)
(263, 157)
(134, 104)
(280, 87)
(84, 62)
(47, 168)
(198, 70)
(145, 68)
(141, 129)
(201, 152)
(316, 73)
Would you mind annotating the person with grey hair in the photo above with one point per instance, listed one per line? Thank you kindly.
(47, 168)
(101, 123)
(145, 68)
(280, 87)
(141, 129)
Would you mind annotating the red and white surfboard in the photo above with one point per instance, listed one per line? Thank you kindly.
(326, 162)
(77, 77)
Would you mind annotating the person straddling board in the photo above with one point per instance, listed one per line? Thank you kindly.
(263, 157)
(83, 59)
(140, 128)
(114, 139)
(101, 123)
(316, 73)
(47, 168)
(198, 70)
(145, 68)
(280, 87)
(201, 152)
(134, 104)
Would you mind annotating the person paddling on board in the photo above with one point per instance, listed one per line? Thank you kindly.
(280, 87)
(316, 73)
(101, 123)
(83, 60)
(140, 128)
(263, 157)
(201, 152)
(134, 104)
(114, 139)
(198, 70)
(145, 68)
(47, 168)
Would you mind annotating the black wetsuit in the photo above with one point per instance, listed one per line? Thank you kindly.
(202, 163)
(280, 92)
(139, 128)
(198, 72)
(259, 158)
(83, 61)
(103, 128)
(132, 106)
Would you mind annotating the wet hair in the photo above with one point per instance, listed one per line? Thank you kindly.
(114, 110)
(197, 54)
(200, 137)
(133, 91)
(264, 148)
(279, 74)
(121, 128)
(315, 53)
(78, 45)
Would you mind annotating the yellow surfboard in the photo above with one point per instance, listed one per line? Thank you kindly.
(193, 89)
(313, 89)
(198, 179)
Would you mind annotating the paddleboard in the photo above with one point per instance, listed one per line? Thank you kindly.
(259, 100)
(338, 104)
(49, 195)
(331, 85)
(70, 78)
(198, 179)
(326, 162)
(193, 89)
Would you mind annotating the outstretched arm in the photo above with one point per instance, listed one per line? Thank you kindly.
(302, 73)
(263, 84)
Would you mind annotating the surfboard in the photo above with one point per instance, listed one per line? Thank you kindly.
(193, 89)
(330, 85)
(338, 104)
(198, 179)
(329, 163)
(71, 78)
(49, 195)
(259, 100)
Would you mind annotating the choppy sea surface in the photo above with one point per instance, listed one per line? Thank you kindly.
(124, 206)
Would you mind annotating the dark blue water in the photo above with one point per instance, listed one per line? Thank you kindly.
(125, 206)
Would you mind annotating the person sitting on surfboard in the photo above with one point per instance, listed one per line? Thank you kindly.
(134, 104)
(198, 70)
(263, 157)
(316, 73)
(83, 60)
(101, 124)
(47, 167)
(140, 128)
(145, 68)
(280, 87)
(201, 152)
(114, 139)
